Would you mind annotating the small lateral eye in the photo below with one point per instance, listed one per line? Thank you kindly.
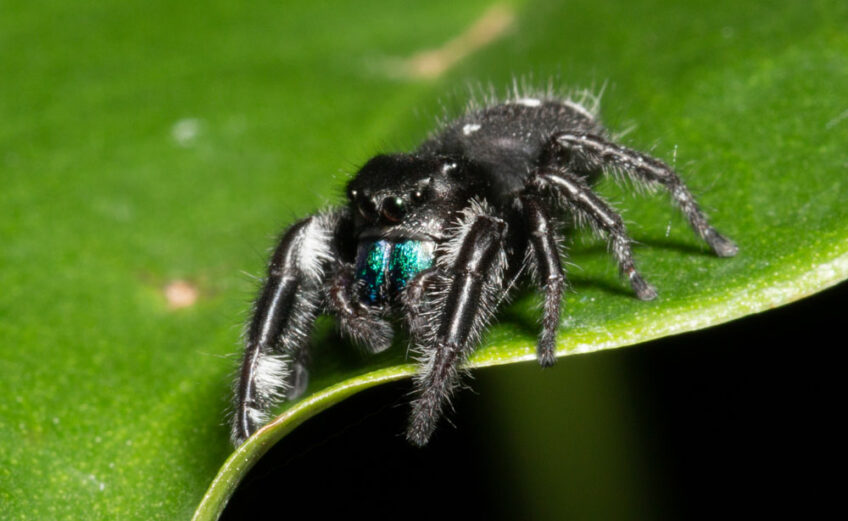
(367, 208)
(417, 196)
(449, 167)
(352, 194)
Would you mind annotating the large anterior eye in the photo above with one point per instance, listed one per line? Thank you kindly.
(393, 209)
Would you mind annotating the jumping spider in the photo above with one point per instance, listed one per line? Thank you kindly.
(437, 237)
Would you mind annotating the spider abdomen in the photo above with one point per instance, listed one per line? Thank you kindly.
(385, 267)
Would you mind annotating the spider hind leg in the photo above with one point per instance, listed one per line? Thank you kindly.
(573, 193)
(545, 259)
(591, 152)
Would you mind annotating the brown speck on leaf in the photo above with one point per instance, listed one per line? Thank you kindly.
(180, 294)
(432, 63)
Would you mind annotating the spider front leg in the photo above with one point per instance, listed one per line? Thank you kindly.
(471, 271)
(590, 152)
(575, 194)
(414, 304)
(282, 320)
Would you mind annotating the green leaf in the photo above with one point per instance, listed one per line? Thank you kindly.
(145, 143)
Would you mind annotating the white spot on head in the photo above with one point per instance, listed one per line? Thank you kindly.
(185, 131)
(470, 128)
(529, 102)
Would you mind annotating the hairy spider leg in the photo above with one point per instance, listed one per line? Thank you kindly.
(588, 207)
(283, 316)
(548, 268)
(414, 303)
(360, 322)
(593, 152)
(473, 269)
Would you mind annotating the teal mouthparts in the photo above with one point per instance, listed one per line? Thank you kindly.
(386, 267)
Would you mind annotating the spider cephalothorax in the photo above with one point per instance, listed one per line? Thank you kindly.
(437, 237)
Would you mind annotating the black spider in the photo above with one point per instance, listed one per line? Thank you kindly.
(438, 237)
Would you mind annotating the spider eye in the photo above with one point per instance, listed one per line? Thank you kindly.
(393, 209)
(417, 196)
(352, 194)
(367, 208)
(449, 168)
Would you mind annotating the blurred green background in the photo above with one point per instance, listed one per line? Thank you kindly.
(154, 145)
